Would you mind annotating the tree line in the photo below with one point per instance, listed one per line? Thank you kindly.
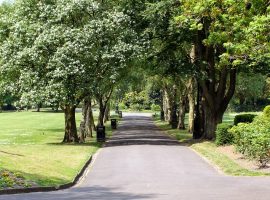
(66, 53)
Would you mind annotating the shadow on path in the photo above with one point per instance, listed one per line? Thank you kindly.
(139, 130)
(82, 193)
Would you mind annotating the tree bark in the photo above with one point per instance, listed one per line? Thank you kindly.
(102, 109)
(216, 89)
(191, 102)
(198, 116)
(90, 123)
(211, 120)
(162, 113)
(39, 105)
(107, 113)
(173, 106)
(182, 113)
(70, 124)
(217, 101)
(83, 122)
(166, 106)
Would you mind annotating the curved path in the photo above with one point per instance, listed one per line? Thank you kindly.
(140, 162)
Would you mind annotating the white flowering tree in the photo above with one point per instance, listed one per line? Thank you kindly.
(64, 49)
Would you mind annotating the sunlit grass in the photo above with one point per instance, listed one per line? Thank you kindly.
(209, 150)
(30, 143)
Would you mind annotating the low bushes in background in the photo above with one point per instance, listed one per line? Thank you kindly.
(244, 118)
(223, 136)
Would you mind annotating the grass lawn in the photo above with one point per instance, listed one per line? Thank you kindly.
(30, 145)
(209, 150)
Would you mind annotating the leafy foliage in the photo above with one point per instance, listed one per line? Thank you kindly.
(223, 136)
(244, 118)
(253, 139)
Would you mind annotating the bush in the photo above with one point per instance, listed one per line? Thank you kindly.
(266, 111)
(136, 107)
(122, 106)
(155, 107)
(244, 118)
(253, 140)
(223, 136)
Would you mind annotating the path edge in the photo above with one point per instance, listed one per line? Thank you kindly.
(76, 180)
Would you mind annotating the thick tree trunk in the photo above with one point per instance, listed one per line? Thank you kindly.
(83, 122)
(198, 116)
(162, 113)
(217, 86)
(211, 120)
(102, 110)
(39, 105)
(107, 113)
(191, 102)
(91, 119)
(173, 106)
(182, 113)
(70, 124)
(90, 123)
(166, 106)
(216, 102)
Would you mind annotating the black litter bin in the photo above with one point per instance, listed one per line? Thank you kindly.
(101, 136)
(113, 123)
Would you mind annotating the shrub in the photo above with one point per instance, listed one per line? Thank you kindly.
(122, 106)
(253, 140)
(266, 111)
(223, 136)
(155, 107)
(136, 107)
(244, 118)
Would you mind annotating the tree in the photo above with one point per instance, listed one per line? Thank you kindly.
(62, 49)
(218, 29)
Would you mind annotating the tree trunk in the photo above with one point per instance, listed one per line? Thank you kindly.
(83, 122)
(198, 116)
(162, 113)
(70, 124)
(166, 106)
(39, 105)
(218, 84)
(191, 102)
(182, 113)
(173, 107)
(211, 120)
(102, 110)
(90, 123)
(107, 113)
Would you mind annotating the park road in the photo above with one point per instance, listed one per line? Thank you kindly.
(141, 163)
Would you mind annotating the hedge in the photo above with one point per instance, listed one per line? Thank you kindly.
(244, 118)
(223, 136)
(253, 139)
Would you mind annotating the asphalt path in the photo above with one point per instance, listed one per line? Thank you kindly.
(141, 162)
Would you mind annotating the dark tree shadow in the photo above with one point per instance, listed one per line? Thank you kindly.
(82, 193)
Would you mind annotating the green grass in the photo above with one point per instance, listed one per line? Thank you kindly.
(30, 144)
(180, 135)
(209, 150)
(223, 162)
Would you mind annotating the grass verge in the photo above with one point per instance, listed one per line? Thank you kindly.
(209, 151)
(30, 146)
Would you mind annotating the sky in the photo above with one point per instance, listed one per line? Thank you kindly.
(1, 1)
